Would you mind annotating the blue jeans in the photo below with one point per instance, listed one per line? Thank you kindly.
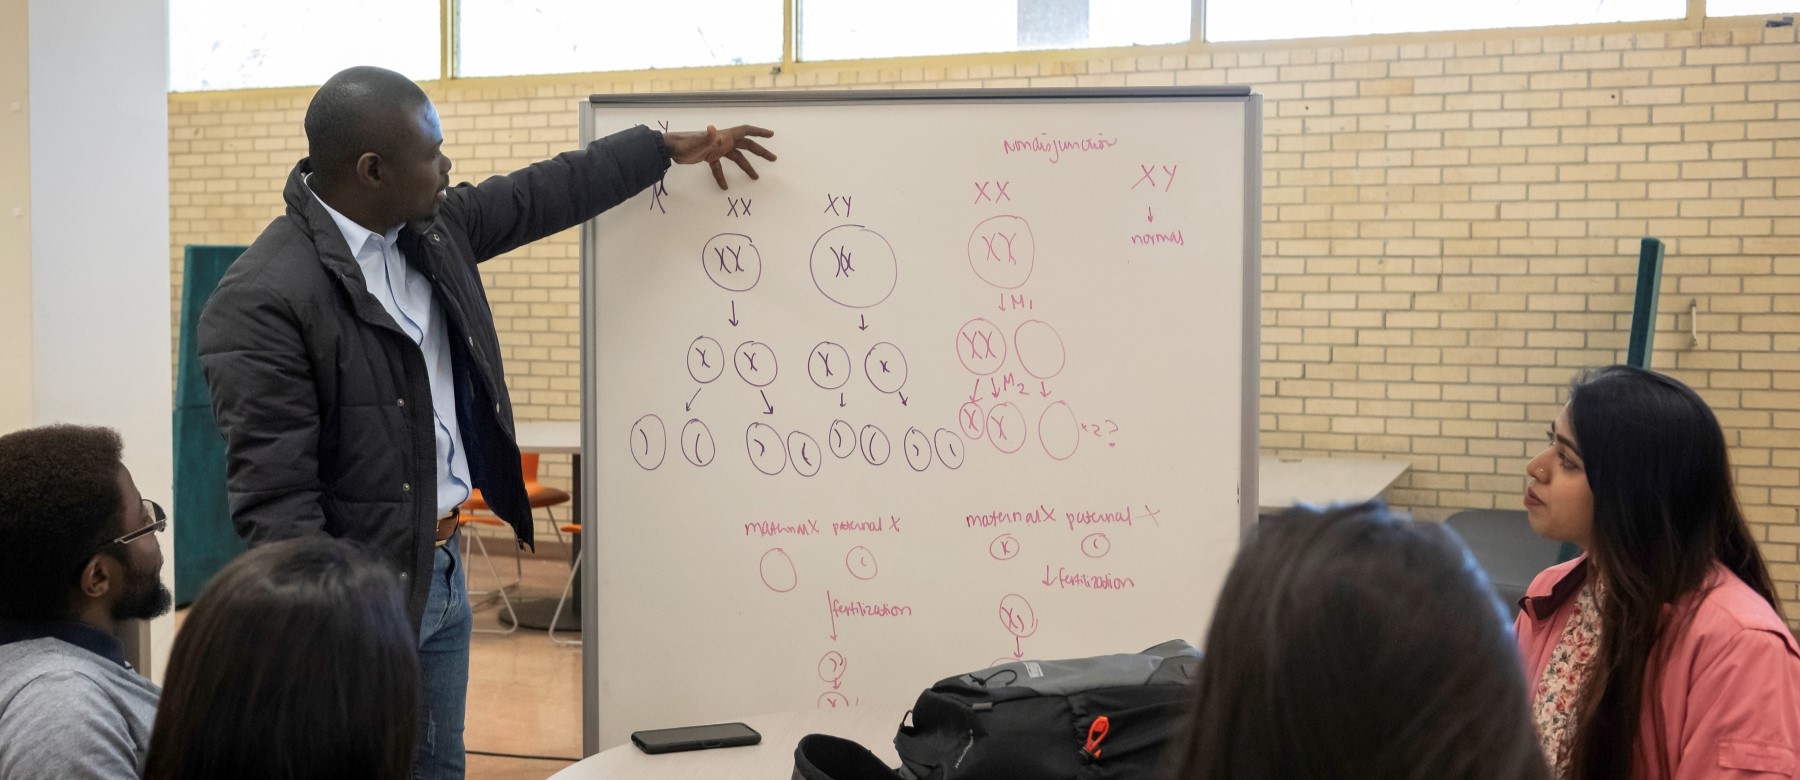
(443, 669)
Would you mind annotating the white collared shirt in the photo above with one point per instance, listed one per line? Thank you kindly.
(407, 296)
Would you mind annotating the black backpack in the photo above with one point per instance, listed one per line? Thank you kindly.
(1103, 718)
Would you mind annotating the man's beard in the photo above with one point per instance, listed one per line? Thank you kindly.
(146, 596)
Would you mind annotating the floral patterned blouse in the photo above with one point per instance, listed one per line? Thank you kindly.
(1557, 692)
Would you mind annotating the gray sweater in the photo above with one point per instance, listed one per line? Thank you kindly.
(70, 714)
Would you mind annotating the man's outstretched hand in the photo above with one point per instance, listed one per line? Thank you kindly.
(714, 145)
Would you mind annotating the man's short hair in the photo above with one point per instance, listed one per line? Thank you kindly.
(59, 501)
(361, 109)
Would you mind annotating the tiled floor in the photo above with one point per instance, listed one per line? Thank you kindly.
(524, 692)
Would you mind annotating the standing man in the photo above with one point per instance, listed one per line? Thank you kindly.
(352, 356)
(74, 561)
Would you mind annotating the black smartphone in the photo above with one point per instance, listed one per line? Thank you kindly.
(695, 738)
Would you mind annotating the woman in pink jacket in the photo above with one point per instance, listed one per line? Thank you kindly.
(1660, 653)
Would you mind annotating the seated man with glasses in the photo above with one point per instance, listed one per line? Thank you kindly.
(74, 560)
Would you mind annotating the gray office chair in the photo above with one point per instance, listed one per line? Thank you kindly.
(1505, 545)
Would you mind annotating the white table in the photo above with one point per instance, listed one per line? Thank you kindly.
(553, 438)
(773, 759)
(1285, 482)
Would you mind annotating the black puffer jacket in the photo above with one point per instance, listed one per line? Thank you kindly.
(324, 401)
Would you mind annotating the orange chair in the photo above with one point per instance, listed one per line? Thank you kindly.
(476, 511)
(536, 493)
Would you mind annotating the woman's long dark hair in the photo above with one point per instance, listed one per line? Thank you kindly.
(297, 663)
(1355, 643)
(1664, 511)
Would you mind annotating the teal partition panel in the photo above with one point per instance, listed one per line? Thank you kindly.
(204, 539)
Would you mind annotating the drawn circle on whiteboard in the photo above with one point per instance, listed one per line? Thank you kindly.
(804, 454)
(1059, 431)
(1096, 546)
(778, 572)
(842, 438)
(705, 360)
(875, 445)
(1040, 348)
(832, 700)
(1017, 616)
(854, 266)
(885, 365)
(861, 563)
(832, 667)
(755, 363)
(917, 448)
(1002, 251)
(697, 443)
(1005, 428)
(949, 446)
(732, 261)
(1004, 547)
(981, 346)
(828, 366)
(766, 452)
(649, 442)
(972, 419)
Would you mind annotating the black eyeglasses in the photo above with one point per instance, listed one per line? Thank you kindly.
(159, 523)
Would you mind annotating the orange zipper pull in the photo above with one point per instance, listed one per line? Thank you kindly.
(1096, 734)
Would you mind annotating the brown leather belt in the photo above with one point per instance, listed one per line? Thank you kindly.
(446, 526)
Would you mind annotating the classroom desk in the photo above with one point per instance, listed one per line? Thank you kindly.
(553, 438)
(773, 759)
(1285, 482)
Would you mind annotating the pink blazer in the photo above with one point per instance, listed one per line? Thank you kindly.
(1730, 691)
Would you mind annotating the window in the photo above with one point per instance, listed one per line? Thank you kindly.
(1256, 20)
(513, 37)
(862, 29)
(1751, 7)
(234, 44)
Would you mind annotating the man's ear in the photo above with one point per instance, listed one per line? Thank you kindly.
(368, 169)
(96, 577)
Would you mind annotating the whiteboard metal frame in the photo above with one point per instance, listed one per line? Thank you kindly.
(1250, 395)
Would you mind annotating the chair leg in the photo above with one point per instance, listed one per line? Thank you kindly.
(555, 526)
(499, 588)
(574, 573)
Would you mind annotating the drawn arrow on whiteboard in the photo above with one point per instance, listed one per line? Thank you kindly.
(833, 612)
(733, 319)
(976, 393)
(902, 399)
(689, 406)
(1150, 213)
(864, 319)
(770, 408)
(1018, 648)
(840, 400)
(1043, 390)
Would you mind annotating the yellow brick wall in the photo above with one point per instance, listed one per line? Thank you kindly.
(1451, 230)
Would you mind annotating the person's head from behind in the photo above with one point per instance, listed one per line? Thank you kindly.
(376, 148)
(76, 536)
(1637, 472)
(297, 662)
(1355, 643)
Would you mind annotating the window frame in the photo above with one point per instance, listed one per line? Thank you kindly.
(1197, 44)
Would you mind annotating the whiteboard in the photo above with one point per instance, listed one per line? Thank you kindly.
(967, 376)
